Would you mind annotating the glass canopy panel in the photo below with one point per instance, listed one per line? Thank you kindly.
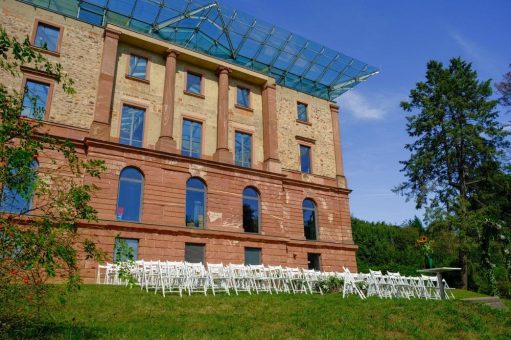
(211, 28)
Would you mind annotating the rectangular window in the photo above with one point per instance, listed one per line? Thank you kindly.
(313, 261)
(125, 249)
(193, 83)
(191, 138)
(252, 256)
(194, 252)
(47, 37)
(243, 149)
(132, 126)
(35, 99)
(302, 112)
(243, 97)
(138, 67)
(305, 159)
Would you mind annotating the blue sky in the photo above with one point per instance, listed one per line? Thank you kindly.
(398, 37)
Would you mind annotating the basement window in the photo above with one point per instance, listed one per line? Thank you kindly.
(194, 252)
(314, 261)
(252, 256)
(125, 249)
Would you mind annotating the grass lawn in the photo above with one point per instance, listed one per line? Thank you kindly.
(118, 312)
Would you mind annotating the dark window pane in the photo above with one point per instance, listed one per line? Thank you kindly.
(191, 139)
(313, 261)
(18, 198)
(194, 252)
(252, 256)
(132, 126)
(243, 97)
(250, 192)
(305, 160)
(250, 210)
(126, 254)
(195, 203)
(138, 67)
(35, 99)
(302, 112)
(193, 83)
(243, 149)
(129, 199)
(47, 37)
(309, 219)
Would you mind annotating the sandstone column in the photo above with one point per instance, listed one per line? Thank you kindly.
(166, 141)
(222, 153)
(341, 180)
(270, 129)
(100, 127)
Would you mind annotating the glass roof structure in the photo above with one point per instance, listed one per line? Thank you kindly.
(208, 27)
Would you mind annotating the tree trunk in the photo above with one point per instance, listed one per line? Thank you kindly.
(464, 269)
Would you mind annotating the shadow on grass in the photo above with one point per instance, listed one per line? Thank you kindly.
(16, 328)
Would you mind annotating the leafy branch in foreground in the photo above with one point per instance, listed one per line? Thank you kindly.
(44, 190)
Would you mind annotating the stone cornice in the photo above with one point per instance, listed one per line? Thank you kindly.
(96, 143)
(216, 234)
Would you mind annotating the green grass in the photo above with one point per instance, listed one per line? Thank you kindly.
(110, 312)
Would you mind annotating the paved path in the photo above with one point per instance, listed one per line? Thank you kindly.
(492, 301)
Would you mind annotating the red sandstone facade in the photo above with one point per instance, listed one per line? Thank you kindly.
(162, 232)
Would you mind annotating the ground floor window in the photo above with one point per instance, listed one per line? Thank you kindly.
(252, 256)
(125, 249)
(194, 252)
(314, 261)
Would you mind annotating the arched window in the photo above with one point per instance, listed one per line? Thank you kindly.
(17, 199)
(129, 197)
(250, 210)
(309, 219)
(195, 203)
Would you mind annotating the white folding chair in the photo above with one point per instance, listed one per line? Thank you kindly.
(219, 278)
(351, 285)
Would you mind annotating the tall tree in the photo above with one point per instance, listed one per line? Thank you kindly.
(455, 132)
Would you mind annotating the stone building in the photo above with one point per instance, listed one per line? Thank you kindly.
(219, 131)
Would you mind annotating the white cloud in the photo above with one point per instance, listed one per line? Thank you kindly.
(371, 107)
(477, 54)
(469, 47)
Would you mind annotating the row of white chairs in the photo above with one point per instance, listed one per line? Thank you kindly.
(184, 277)
(393, 285)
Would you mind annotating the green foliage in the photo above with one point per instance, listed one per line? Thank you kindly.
(455, 132)
(39, 240)
(382, 246)
(332, 284)
(125, 259)
(458, 143)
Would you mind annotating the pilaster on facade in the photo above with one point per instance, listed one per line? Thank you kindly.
(270, 133)
(223, 154)
(166, 140)
(339, 167)
(100, 127)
